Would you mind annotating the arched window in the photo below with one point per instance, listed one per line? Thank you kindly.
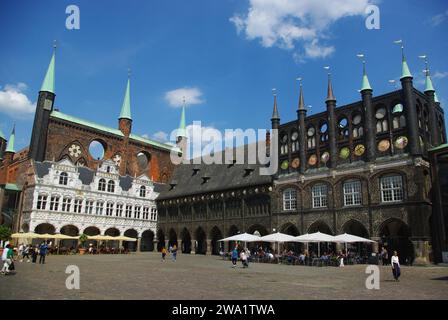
(295, 141)
(109, 208)
(111, 186)
(311, 137)
(392, 188)
(352, 193)
(102, 185)
(381, 120)
(42, 202)
(284, 144)
(290, 199)
(143, 191)
(63, 178)
(320, 192)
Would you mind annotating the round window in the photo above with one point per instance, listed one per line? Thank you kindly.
(343, 123)
(294, 136)
(311, 131)
(323, 128)
(380, 113)
(357, 119)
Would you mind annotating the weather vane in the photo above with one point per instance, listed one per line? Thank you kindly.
(274, 91)
(425, 58)
(129, 72)
(300, 80)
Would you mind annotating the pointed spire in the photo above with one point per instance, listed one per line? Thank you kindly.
(49, 81)
(12, 138)
(365, 80)
(126, 108)
(275, 111)
(182, 132)
(436, 98)
(428, 82)
(330, 95)
(301, 100)
(405, 72)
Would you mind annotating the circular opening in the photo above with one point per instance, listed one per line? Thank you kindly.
(311, 131)
(294, 136)
(357, 119)
(143, 160)
(380, 113)
(323, 128)
(343, 123)
(97, 150)
(285, 138)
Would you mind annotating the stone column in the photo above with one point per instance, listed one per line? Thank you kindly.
(154, 245)
(179, 245)
(209, 247)
(139, 242)
(375, 246)
(193, 246)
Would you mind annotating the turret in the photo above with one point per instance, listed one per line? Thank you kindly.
(10, 149)
(410, 105)
(301, 113)
(275, 119)
(332, 134)
(2, 144)
(366, 94)
(125, 119)
(430, 93)
(44, 107)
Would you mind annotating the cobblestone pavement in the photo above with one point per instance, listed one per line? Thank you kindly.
(145, 276)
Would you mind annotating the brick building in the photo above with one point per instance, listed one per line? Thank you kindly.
(361, 168)
(57, 136)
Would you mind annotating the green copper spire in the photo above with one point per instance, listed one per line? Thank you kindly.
(12, 138)
(301, 100)
(126, 108)
(182, 132)
(49, 81)
(436, 98)
(365, 80)
(428, 82)
(330, 95)
(405, 72)
(275, 115)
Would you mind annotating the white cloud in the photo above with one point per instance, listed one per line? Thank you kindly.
(438, 19)
(192, 96)
(160, 136)
(439, 75)
(296, 25)
(14, 102)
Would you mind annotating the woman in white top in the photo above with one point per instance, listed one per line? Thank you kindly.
(395, 263)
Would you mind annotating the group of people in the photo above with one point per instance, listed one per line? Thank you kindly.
(23, 252)
(171, 250)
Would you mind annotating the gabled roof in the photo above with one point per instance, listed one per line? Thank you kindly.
(189, 179)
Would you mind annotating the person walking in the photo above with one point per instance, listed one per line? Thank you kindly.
(34, 253)
(395, 262)
(163, 253)
(385, 257)
(43, 249)
(7, 258)
(243, 257)
(20, 251)
(26, 253)
(234, 256)
(174, 253)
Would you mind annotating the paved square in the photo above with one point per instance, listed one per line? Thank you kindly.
(144, 276)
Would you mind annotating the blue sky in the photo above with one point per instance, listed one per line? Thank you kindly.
(227, 60)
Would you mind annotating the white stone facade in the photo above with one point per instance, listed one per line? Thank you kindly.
(61, 198)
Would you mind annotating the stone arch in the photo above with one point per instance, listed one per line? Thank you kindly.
(147, 241)
(130, 245)
(186, 241)
(233, 230)
(201, 241)
(92, 231)
(45, 228)
(320, 226)
(215, 235)
(113, 232)
(172, 237)
(258, 227)
(356, 228)
(69, 230)
(395, 236)
(292, 230)
(160, 239)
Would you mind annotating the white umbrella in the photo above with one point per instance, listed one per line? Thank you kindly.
(242, 237)
(316, 237)
(350, 238)
(277, 238)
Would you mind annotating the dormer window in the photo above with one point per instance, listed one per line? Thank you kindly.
(143, 191)
(63, 178)
(102, 185)
(110, 185)
(195, 171)
(248, 171)
(205, 179)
